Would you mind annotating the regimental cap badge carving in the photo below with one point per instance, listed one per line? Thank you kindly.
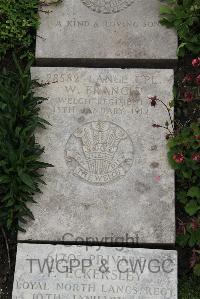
(107, 6)
(99, 152)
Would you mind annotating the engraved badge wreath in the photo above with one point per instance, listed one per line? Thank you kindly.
(99, 152)
(107, 6)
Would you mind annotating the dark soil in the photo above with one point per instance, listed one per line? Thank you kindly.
(6, 271)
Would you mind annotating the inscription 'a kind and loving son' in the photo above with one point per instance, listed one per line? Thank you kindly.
(107, 7)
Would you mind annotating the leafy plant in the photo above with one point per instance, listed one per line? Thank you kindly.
(184, 16)
(18, 21)
(189, 287)
(184, 156)
(20, 165)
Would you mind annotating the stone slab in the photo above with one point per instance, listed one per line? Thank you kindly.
(104, 29)
(111, 179)
(60, 272)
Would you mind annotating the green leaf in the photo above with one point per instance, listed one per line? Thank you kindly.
(6, 197)
(171, 104)
(166, 10)
(21, 229)
(4, 179)
(187, 174)
(197, 270)
(26, 179)
(181, 49)
(194, 192)
(182, 240)
(192, 207)
(9, 202)
(182, 197)
(9, 222)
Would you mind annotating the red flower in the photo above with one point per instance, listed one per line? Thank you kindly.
(153, 101)
(196, 62)
(179, 158)
(196, 157)
(188, 96)
(198, 79)
(197, 137)
(188, 78)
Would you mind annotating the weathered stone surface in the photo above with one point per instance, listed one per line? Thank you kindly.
(100, 29)
(111, 177)
(60, 272)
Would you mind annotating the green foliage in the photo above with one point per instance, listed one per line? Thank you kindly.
(184, 16)
(187, 143)
(184, 147)
(189, 287)
(18, 20)
(197, 269)
(20, 165)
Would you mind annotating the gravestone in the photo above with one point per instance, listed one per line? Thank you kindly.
(111, 181)
(104, 29)
(60, 272)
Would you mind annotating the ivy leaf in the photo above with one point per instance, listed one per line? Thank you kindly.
(182, 197)
(194, 192)
(182, 240)
(192, 207)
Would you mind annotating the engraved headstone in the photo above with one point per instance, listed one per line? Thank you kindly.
(60, 272)
(104, 29)
(111, 181)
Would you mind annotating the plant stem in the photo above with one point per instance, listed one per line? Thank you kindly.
(7, 247)
(168, 110)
